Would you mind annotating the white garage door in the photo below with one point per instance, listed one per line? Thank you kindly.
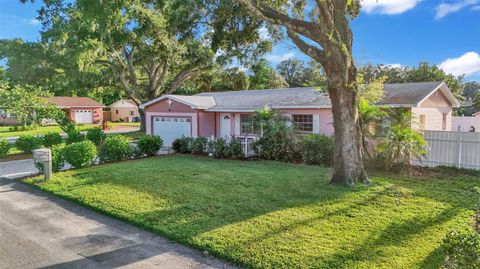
(83, 116)
(171, 128)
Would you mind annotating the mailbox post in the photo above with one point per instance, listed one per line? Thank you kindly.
(44, 157)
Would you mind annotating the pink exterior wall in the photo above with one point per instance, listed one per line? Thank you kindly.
(325, 117)
(433, 108)
(433, 117)
(206, 124)
(325, 121)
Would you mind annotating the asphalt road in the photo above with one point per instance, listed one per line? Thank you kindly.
(41, 231)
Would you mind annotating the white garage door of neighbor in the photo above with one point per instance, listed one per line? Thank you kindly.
(171, 128)
(83, 116)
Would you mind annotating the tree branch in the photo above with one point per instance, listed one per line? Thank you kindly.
(184, 75)
(312, 51)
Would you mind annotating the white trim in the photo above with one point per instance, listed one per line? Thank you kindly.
(446, 91)
(149, 123)
(300, 107)
(237, 124)
(316, 124)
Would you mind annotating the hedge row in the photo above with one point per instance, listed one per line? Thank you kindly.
(313, 149)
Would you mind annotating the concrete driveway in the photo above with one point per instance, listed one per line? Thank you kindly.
(41, 231)
(16, 169)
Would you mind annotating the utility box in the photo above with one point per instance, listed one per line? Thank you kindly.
(44, 157)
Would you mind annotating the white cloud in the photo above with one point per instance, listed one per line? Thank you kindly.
(467, 64)
(263, 33)
(277, 58)
(388, 7)
(395, 65)
(33, 22)
(444, 9)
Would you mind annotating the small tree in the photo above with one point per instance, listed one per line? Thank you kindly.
(26, 104)
(402, 142)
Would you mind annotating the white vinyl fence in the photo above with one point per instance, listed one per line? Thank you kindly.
(458, 149)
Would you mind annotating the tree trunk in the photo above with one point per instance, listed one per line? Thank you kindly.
(143, 121)
(348, 160)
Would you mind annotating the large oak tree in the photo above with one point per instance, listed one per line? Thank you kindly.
(321, 30)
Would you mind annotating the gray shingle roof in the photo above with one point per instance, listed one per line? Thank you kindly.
(275, 98)
(407, 94)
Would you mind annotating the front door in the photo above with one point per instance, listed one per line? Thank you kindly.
(225, 125)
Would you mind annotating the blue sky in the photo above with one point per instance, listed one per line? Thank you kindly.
(397, 32)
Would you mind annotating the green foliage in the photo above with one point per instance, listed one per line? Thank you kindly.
(80, 154)
(115, 148)
(423, 72)
(58, 160)
(400, 144)
(25, 103)
(183, 144)
(297, 74)
(218, 147)
(235, 150)
(17, 128)
(462, 249)
(260, 214)
(73, 134)
(50, 139)
(27, 143)
(4, 148)
(96, 135)
(199, 145)
(265, 77)
(277, 141)
(150, 144)
(316, 149)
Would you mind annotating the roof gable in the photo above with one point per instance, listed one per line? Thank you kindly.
(123, 103)
(195, 102)
(67, 101)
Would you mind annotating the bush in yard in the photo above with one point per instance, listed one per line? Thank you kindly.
(462, 249)
(58, 160)
(96, 135)
(74, 136)
(183, 144)
(278, 141)
(4, 147)
(400, 144)
(115, 148)
(218, 147)
(50, 139)
(27, 143)
(316, 149)
(234, 149)
(149, 144)
(199, 145)
(80, 154)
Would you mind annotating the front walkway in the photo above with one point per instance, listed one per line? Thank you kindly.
(41, 231)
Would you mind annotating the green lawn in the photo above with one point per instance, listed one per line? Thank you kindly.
(276, 215)
(5, 131)
(131, 124)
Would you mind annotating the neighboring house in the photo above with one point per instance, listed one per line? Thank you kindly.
(477, 121)
(226, 114)
(124, 110)
(466, 123)
(79, 109)
(6, 118)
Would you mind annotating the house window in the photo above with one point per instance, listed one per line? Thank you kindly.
(444, 121)
(116, 111)
(303, 123)
(131, 112)
(422, 122)
(248, 125)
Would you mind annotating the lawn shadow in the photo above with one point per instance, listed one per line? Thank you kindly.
(395, 234)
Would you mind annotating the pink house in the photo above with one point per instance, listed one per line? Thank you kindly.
(227, 114)
(79, 109)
